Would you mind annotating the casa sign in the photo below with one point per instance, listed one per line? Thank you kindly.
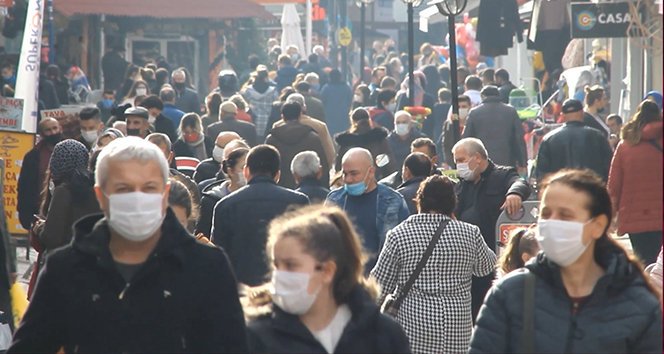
(603, 20)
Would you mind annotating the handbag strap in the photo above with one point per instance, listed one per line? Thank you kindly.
(423, 261)
(654, 143)
(528, 343)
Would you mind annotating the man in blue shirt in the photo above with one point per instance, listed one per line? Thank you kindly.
(167, 95)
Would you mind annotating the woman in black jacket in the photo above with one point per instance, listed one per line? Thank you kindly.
(589, 295)
(192, 141)
(321, 301)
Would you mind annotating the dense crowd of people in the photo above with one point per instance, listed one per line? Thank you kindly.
(289, 211)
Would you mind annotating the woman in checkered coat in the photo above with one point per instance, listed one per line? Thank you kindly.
(436, 314)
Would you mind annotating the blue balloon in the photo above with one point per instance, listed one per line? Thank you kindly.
(489, 62)
(461, 52)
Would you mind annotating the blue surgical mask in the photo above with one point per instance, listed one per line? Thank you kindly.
(295, 57)
(107, 103)
(7, 78)
(356, 189)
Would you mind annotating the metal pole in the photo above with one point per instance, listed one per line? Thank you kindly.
(363, 15)
(411, 51)
(332, 35)
(51, 39)
(309, 28)
(343, 11)
(453, 78)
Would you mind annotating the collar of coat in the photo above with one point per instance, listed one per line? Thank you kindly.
(92, 236)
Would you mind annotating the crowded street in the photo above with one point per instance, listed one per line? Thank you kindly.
(331, 176)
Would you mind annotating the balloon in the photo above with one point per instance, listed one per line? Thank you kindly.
(471, 52)
(461, 35)
(461, 53)
(472, 63)
(474, 22)
(489, 62)
(470, 31)
(466, 18)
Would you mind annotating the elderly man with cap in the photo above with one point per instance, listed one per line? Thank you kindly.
(574, 145)
(229, 123)
(317, 125)
(138, 124)
(499, 127)
(209, 168)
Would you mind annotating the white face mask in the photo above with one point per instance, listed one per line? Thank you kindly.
(141, 91)
(241, 181)
(152, 119)
(90, 136)
(465, 172)
(561, 241)
(135, 216)
(357, 98)
(290, 292)
(218, 154)
(392, 107)
(402, 129)
(463, 113)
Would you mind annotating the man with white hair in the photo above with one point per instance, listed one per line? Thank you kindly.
(483, 192)
(108, 289)
(186, 99)
(404, 133)
(322, 59)
(375, 208)
(314, 82)
(318, 126)
(307, 171)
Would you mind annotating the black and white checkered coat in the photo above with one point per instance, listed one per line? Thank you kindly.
(436, 315)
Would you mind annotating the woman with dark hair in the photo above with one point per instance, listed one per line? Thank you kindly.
(68, 195)
(211, 116)
(436, 312)
(635, 181)
(130, 76)
(337, 97)
(138, 89)
(260, 96)
(321, 302)
(432, 79)
(192, 141)
(361, 134)
(586, 293)
(362, 97)
(366, 77)
(275, 112)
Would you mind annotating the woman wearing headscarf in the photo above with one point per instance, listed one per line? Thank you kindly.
(68, 195)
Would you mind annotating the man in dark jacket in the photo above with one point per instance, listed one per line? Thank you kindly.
(167, 96)
(416, 168)
(404, 133)
(313, 66)
(292, 138)
(499, 127)
(133, 279)
(161, 123)
(33, 172)
(448, 138)
(287, 72)
(505, 86)
(574, 145)
(307, 171)
(228, 122)
(91, 126)
(209, 168)
(313, 104)
(484, 191)
(241, 219)
(114, 65)
(186, 99)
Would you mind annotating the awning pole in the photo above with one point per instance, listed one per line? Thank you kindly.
(309, 29)
(51, 37)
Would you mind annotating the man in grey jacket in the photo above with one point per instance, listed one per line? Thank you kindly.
(499, 127)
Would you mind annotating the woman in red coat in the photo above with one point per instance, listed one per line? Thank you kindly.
(635, 181)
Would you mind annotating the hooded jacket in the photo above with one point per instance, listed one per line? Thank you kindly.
(291, 139)
(372, 139)
(182, 299)
(285, 77)
(620, 316)
(368, 331)
(261, 105)
(635, 182)
(382, 116)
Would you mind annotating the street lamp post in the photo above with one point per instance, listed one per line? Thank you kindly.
(451, 8)
(363, 14)
(411, 49)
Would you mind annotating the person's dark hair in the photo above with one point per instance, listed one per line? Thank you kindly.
(388, 81)
(359, 118)
(152, 101)
(285, 92)
(489, 73)
(302, 87)
(436, 193)
(418, 164)
(463, 71)
(433, 82)
(599, 203)
(88, 113)
(291, 111)
(444, 72)
(385, 96)
(167, 95)
(444, 95)
(313, 58)
(212, 103)
(464, 98)
(593, 94)
(147, 74)
(53, 71)
(490, 91)
(422, 142)
(263, 160)
(233, 159)
(502, 74)
(134, 86)
(647, 112)
(335, 76)
(327, 234)
(374, 72)
(131, 70)
(614, 117)
(151, 66)
(253, 61)
(284, 59)
(161, 75)
(179, 195)
(380, 59)
(366, 94)
(473, 82)
(109, 92)
(521, 241)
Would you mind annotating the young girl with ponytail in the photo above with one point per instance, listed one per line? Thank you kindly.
(521, 247)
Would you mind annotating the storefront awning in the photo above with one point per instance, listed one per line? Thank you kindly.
(213, 9)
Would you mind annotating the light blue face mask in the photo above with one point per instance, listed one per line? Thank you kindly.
(356, 189)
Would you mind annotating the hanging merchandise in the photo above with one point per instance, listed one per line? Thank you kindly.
(549, 31)
(497, 24)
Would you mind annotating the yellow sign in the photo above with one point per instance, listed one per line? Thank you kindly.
(345, 36)
(451, 174)
(13, 147)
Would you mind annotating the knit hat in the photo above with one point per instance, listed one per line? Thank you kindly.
(68, 156)
(228, 107)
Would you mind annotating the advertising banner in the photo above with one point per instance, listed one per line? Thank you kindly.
(11, 113)
(13, 147)
(604, 20)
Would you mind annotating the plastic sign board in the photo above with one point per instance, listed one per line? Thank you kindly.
(506, 224)
(345, 36)
(11, 113)
(13, 147)
(603, 20)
